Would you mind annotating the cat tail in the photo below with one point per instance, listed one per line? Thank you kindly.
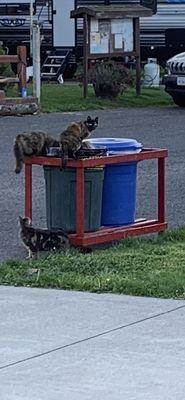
(19, 155)
(64, 155)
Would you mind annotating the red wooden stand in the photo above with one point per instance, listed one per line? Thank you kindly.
(104, 234)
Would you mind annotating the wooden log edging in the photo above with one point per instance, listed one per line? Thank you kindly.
(17, 109)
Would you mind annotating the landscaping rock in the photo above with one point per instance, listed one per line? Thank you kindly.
(18, 109)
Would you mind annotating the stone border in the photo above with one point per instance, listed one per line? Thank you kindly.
(18, 106)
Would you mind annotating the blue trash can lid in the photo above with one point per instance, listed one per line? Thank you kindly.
(117, 144)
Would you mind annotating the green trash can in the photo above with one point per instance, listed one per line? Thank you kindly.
(61, 198)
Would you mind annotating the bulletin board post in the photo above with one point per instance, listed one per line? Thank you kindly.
(85, 53)
(111, 32)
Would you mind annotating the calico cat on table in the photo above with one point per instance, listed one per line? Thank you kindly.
(38, 142)
(71, 139)
(31, 143)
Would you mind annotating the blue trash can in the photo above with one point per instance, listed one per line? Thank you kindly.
(119, 187)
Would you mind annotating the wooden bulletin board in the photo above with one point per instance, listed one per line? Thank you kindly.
(110, 36)
(111, 31)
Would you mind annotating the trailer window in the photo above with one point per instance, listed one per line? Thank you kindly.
(14, 9)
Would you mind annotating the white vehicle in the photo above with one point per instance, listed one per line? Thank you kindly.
(174, 80)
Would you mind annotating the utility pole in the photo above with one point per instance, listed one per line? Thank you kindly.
(36, 60)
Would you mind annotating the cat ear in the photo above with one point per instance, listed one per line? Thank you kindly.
(28, 221)
(20, 220)
(96, 120)
(88, 118)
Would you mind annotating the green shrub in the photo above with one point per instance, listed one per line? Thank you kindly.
(5, 70)
(110, 78)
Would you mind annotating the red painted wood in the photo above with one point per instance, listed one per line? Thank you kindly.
(108, 235)
(95, 161)
(161, 189)
(28, 191)
(104, 234)
(80, 202)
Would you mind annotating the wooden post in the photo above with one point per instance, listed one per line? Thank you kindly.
(21, 66)
(85, 55)
(138, 61)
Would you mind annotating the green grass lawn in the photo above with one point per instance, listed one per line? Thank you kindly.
(152, 266)
(145, 266)
(69, 97)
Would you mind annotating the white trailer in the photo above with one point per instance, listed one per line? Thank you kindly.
(58, 29)
(163, 34)
(63, 25)
(15, 23)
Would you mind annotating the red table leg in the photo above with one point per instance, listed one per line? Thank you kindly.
(161, 189)
(28, 190)
(80, 202)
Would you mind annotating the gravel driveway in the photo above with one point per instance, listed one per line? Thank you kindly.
(161, 127)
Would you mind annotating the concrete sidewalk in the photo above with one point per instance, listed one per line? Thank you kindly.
(145, 360)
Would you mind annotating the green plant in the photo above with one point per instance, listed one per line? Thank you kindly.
(79, 73)
(145, 266)
(110, 78)
(5, 71)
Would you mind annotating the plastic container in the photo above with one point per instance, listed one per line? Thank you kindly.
(151, 73)
(119, 188)
(117, 145)
(61, 198)
(24, 92)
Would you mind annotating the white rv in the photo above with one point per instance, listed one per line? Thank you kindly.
(58, 29)
(163, 34)
(15, 23)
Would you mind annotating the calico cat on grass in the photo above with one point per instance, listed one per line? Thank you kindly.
(71, 139)
(31, 143)
(36, 240)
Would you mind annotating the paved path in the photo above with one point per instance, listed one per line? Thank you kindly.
(163, 127)
(142, 359)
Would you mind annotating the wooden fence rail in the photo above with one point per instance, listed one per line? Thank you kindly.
(20, 60)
